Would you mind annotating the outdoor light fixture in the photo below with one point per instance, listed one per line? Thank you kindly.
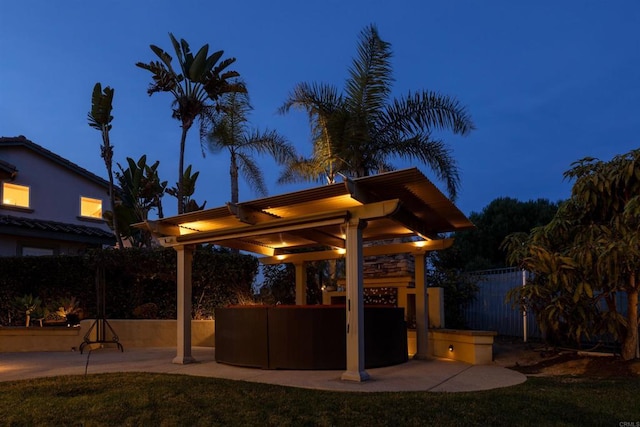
(450, 347)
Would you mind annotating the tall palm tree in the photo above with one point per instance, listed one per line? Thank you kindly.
(100, 119)
(328, 118)
(230, 131)
(198, 83)
(358, 132)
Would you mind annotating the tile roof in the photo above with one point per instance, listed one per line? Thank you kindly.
(7, 170)
(24, 142)
(40, 225)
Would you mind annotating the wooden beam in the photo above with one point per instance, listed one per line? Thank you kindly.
(402, 215)
(375, 210)
(302, 257)
(158, 228)
(394, 248)
(413, 223)
(321, 237)
(357, 192)
(411, 247)
(249, 216)
(244, 245)
(282, 225)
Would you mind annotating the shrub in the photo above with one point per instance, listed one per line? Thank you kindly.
(132, 277)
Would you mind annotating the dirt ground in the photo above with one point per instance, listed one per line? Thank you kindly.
(536, 359)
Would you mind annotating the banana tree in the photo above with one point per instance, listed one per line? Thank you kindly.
(186, 187)
(100, 119)
(197, 84)
(142, 191)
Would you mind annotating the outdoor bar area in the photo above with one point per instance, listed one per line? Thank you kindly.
(399, 212)
(306, 336)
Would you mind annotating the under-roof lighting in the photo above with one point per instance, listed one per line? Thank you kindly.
(341, 251)
(280, 257)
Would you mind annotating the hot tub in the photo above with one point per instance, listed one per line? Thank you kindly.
(306, 337)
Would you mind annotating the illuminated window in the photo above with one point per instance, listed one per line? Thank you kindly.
(91, 208)
(15, 195)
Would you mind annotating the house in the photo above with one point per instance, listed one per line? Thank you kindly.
(49, 205)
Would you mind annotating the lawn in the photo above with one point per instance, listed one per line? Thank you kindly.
(137, 399)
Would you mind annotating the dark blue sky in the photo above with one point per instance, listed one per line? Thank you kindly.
(546, 82)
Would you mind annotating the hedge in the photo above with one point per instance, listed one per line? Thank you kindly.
(133, 278)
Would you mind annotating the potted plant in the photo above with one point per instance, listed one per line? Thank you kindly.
(29, 304)
(69, 309)
(39, 315)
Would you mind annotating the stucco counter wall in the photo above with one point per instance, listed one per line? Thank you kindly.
(131, 333)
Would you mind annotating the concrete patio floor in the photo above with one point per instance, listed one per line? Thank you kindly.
(436, 375)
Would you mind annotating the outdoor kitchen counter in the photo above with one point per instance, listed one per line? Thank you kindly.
(306, 337)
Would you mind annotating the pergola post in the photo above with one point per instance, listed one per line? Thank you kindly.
(422, 308)
(301, 283)
(184, 264)
(355, 305)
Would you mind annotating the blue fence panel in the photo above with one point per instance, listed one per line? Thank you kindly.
(490, 311)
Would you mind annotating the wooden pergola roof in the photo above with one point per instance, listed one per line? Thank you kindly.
(321, 223)
(394, 204)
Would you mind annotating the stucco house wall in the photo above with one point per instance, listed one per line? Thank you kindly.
(55, 188)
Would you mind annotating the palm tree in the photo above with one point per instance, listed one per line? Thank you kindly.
(359, 132)
(230, 131)
(100, 118)
(200, 81)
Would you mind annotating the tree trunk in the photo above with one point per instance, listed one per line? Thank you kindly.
(106, 151)
(235, 192)
(159, 206)
(630, 343)
(233, 172)
(183, 140)
(112, 199)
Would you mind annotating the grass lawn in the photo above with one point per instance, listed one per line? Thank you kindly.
(137, 399)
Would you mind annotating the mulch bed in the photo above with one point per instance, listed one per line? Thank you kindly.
(572, 363)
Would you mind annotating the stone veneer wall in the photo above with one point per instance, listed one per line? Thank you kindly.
(388, 265)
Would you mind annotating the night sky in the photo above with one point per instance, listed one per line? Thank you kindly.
(546, 82)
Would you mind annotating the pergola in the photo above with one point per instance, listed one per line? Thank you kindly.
(322, 223)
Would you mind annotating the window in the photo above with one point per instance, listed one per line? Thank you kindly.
(91, 208)
(29, 251)
(15, 195)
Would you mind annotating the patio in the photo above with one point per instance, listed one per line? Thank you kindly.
(436, 375)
